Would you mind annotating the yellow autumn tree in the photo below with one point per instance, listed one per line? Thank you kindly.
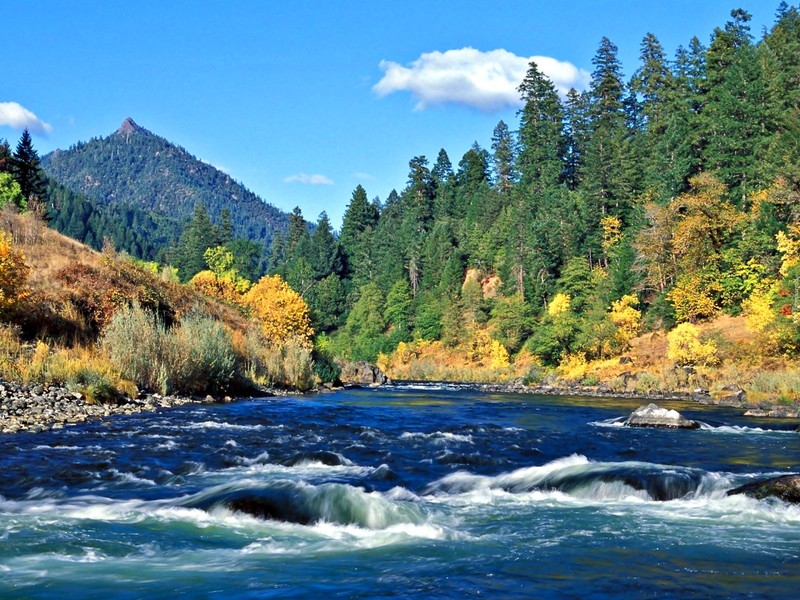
(13, 275)
(627, 319)
(281, 312)
(758, 311)
(559, 304)
(220, 288)
(685, 348)
(691, 298)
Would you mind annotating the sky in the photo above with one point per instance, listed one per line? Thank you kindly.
(302, 101)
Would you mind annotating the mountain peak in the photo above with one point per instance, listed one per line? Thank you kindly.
(129, 126)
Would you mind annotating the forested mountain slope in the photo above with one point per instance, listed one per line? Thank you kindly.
(134, 168)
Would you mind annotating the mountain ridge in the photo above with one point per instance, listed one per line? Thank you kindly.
(135, 167)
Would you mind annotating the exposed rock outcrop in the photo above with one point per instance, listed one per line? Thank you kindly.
(653, 415)
(785, 487)
(363, 373)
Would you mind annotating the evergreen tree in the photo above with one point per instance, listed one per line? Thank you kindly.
(541, 155)
(199, 235)
(5, 156)
(609, 180)
(325, 252)
(444, 204)
(737, 122)
(650, 85)
(358, 225)
(683, 142)
(503, 158)
(27, 170)
(576, 133)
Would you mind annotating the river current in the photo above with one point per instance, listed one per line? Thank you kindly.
(404, 491)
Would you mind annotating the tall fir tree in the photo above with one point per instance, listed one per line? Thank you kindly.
(27, 170)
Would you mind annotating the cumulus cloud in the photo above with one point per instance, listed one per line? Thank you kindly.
(487, 81)
(307, 179)
(17, 116)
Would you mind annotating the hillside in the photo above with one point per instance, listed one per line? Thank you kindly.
(136, 168)
(108, 326)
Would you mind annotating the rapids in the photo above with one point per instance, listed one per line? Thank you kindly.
(407, 491)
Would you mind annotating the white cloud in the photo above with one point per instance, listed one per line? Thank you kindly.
(17, 116)
(307, 179)
(364, 176)
(487, 81)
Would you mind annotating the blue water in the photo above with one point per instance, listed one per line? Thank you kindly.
(415, 491)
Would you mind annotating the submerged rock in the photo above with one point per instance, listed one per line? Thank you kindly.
(785, 487)
(653, 415)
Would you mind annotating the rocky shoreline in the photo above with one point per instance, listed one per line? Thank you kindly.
(41, 407)
(733, 397)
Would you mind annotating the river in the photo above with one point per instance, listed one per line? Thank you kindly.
(405, 491)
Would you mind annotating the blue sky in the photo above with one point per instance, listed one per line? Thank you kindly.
(301, 101)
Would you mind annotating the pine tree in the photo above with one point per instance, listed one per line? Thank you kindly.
(5, 156)
(541, 155)
(27, 170)
(683, 142)
(609, 170)
(576, 134)
(503, 158)
(325, 252)
(199, 235)
(359, 222)
(650, 86)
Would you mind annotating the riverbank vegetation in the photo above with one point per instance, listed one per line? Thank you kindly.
(110, 326)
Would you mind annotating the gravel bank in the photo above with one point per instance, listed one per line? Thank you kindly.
(37, 407)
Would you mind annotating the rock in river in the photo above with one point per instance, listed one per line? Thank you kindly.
(363, 373)
(653, 415)
(785, 487)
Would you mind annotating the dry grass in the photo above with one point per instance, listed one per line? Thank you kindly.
(76, 292)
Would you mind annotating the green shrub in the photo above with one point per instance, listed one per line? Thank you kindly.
(195, 356)
(136, 343)
(200, 356)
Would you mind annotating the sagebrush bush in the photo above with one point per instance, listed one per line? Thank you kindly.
(286, 365)
(200, 355)
(195, 356)
(136, 342)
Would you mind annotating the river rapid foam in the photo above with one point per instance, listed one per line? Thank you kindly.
(398, 492)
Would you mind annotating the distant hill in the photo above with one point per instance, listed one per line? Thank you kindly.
(135, 169)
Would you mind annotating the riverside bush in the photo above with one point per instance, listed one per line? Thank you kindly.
(195, 356)
(200, 355)
(286, 365)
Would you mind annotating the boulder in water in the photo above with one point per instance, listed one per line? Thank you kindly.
(785, 487)
(653, 415)
(363, 373)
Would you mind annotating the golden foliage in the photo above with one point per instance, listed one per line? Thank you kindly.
(573, 367)
(789, 246)
(691, 300)
(685, 348)
(281, 312)
(487, 351)
(627, 319)
(758, 311)
(612, 231)
(13, 275)
(559, 304)
(703, 221)
(221, 288)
